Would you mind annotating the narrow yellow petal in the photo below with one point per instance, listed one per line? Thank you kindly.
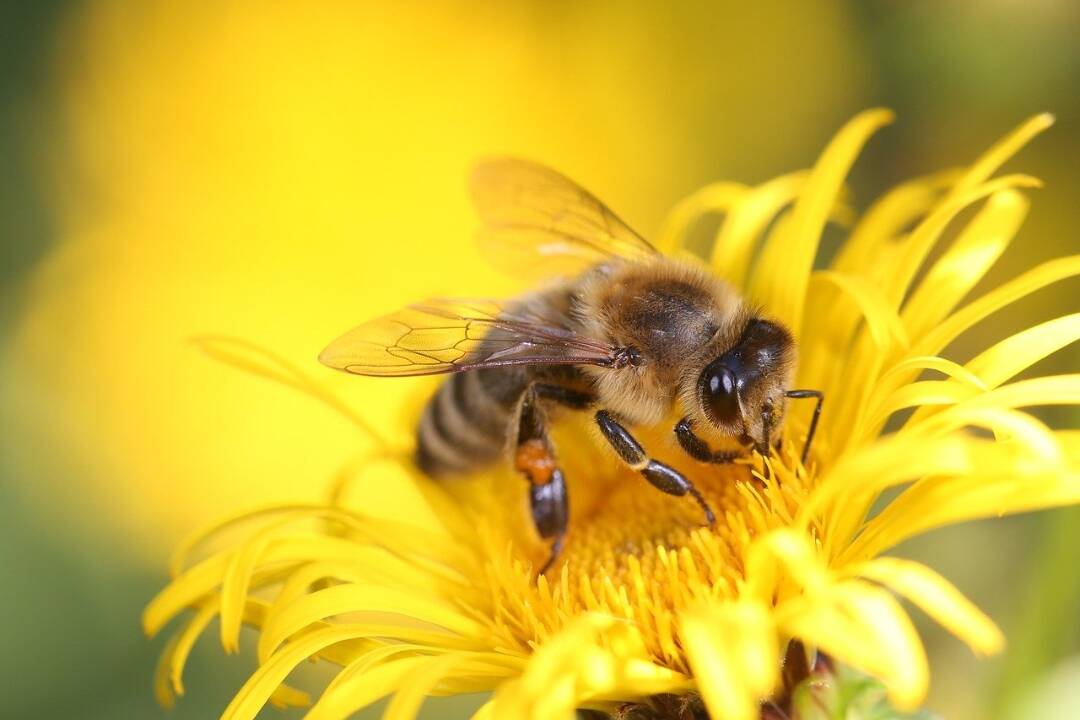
(843, 495)
(1022, 350)
(977, 248)
(893, 380)
(711, 199)
(593, 657)
(738, 235)
(888, 217)
(865, 627)
(934, 340)
(342, 700)
(988, 163)
(783, 271)
(257, 690)
(938, 598)
(185, 641)
(422, 546)
(918, 363)
(1049, 390)
(881, 318)
(1015, 431)
(834, 331)
(793, 552)
(900, 275)
(236, 581)
(179, 560)
(918, 394)
(188, 590)
(999, 483)
(368, 566)
(351, 598)
(417, 685)
(164, 693)
(733, 650)
(851, 386)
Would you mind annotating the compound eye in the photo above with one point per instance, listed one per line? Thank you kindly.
(720, 394)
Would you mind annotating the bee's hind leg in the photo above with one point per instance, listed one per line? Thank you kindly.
(550, 513)
(534, 457)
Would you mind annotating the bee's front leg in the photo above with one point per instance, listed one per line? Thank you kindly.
(663, 477)
(698, 449)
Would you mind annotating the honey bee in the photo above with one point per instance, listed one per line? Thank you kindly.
(624, 332)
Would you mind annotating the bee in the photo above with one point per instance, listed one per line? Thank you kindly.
(623, 332)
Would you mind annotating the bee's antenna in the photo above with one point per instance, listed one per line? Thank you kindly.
(797, 395)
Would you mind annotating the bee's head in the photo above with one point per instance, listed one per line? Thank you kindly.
(741, 392)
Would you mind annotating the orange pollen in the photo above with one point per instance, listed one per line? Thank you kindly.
(535, 461)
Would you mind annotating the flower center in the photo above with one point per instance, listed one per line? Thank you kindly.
(626, 528)
(631, 550)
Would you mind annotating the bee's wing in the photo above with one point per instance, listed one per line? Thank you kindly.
(541, 222)
(451, 335)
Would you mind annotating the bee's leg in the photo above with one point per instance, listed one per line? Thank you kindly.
(661, 476)
(550, 512)
(698, 449)
(820, 397)
(534, 457)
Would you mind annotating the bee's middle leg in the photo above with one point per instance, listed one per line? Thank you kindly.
(534, 457)
(663, 477)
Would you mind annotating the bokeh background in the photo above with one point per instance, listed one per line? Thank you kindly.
(280, 170)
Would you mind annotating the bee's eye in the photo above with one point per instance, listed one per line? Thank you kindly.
(719, 394)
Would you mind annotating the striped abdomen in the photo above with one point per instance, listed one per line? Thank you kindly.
(466, 423)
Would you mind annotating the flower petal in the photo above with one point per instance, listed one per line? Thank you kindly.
(271, 674)
(865, 627)
(881, 318)
(783, 270)
(715, 198)
(997, 485)
(594, 657)
(416, 685)
(978, 247)
(733, 650)
(363, 689)
(928, 233)
(918, 363)
(845, 493)
(748, 218)
(353, 598)
(938, 598)
(899, 208)
(1022, 350)
(1003, 149)
(934, 340)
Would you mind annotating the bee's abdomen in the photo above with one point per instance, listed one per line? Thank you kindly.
(465, 424)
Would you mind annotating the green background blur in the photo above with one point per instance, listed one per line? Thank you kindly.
(722, 92)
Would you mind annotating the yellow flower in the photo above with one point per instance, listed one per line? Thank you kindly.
(646, 601)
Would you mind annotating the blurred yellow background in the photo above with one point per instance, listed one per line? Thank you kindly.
(280, 171)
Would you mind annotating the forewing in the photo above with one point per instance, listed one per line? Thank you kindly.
(452, 335)
(541, 222)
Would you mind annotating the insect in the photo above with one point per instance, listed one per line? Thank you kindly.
(624, 332)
